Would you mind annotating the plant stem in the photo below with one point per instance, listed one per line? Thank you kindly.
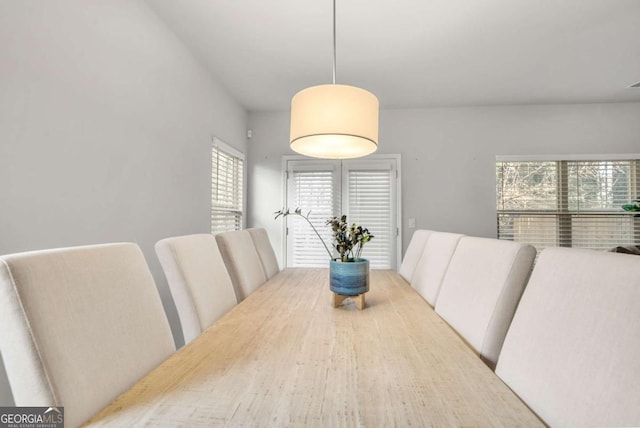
(316, 231)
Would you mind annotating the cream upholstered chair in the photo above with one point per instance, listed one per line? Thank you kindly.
(433, 264)
(481, 289)
(413, 254)
(572, 352)
(198, 279)
(79, 326)
(242, 261)
(265, 251)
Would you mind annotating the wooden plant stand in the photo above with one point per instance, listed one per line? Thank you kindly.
(358, 300)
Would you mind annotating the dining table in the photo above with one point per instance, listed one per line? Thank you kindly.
(284, 356)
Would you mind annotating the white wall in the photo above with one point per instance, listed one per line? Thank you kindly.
(448, 156)
(105, 128)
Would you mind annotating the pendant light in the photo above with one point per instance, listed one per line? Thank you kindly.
(334, 121)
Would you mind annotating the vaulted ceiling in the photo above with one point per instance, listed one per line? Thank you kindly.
(417, 53)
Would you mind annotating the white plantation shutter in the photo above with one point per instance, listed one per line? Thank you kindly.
(570, 203)
(312, 187)
(364, 190)
(370, 203)
(227, 188)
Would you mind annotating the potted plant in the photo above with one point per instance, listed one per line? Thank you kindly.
(348, 272)
(633, 206)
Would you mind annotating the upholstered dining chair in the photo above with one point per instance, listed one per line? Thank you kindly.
(242, 261)
(572, 352)
(413, 254)
(433, 264)
(79, 326)
(265, 251)
(198, 280)
(481, 289)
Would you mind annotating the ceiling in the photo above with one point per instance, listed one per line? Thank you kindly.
(417, 53)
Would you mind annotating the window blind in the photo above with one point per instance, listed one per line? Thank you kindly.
(370, 203)
(314, 191)
(568, 203)
(227, 190)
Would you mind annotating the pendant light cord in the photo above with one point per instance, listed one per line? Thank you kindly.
(334, 42)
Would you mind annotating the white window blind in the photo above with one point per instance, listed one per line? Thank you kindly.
(370, 202)
(364, 190)
(227, 188)
(568, 203)
(312, 188)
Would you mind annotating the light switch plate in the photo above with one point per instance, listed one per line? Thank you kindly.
(412, 223)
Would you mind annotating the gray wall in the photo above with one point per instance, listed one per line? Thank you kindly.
(448, 156)
(105, 130)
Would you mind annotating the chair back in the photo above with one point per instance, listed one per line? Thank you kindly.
(572, 352)
(481, 289)
(413, 254)
(242, 261)
(433, 264)
(198, 279)
(79, 326)
(265, 251)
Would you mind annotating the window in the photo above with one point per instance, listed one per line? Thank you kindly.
(369, 200)
(227, 188)
(568, 203)
(312, 186)
(365, 190)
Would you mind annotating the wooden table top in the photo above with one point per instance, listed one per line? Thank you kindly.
(286, 357)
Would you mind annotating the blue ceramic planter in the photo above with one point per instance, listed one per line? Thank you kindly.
(349, 278)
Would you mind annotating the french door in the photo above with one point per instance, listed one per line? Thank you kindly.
(366, 190)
